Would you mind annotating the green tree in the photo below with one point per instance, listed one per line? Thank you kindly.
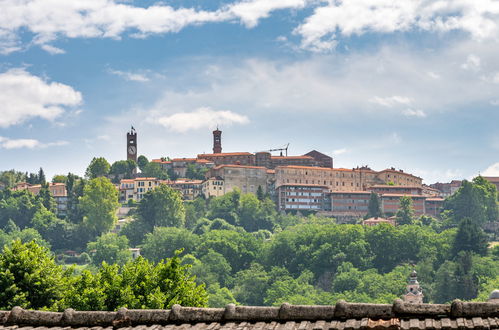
(161, 207)
(59, 178)
(29, 277)
(123, 169)
(155, 170)
(405, 213)
(164, 241)
(260, 194)
(239, 249)
(12, 177)
(110, 248)
(470, 237)
(41, 177)
(219, 297)
(98, 167)
(251, 284)
(374, 206)
(467, 202)
(46, 198)
(99, 204)
(195, 172)
(142, 161)
(212, 268)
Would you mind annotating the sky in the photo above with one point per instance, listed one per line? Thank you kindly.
(410, 84)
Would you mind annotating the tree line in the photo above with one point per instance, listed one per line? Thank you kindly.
(241, 250)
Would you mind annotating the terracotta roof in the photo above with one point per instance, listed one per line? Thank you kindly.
(342, 316)
(492, 178)
(352, 192)
(306, 167)
(399, 172)
(396, 187)
(435, 199)
(184, 159)
(223, 154)
(302, 185)
(239, 166)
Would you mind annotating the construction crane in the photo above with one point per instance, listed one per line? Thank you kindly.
(285, 148)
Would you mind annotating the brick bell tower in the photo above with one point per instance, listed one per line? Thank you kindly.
(217, 141)
(131, 145)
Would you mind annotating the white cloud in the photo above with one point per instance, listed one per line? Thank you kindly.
(357, 17)
(48, 19)
(492, 170)
(473, 62)
(251, 11)
(414, 113)
(130, 76)
(201, 118)
(53, 50)
(391, 101)
(339, 151)
(24, 96)
(6, 143)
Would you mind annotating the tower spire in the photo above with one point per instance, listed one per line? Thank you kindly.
(414, 292)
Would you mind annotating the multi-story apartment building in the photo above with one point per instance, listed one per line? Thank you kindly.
(341, 179)
(213, 187)
(391, 203)
(388, 189)
(190, 189)
(303, 197)
(143, 185)
(127, 189)
(349, 204)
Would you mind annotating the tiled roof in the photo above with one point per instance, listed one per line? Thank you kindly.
(223, 154)
(396, 187)
(240, 166)
(342, 316)
(306, 167)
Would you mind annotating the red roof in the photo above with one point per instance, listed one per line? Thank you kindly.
(238, 166)
(223, 154)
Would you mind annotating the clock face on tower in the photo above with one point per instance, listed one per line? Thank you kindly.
(132, 150)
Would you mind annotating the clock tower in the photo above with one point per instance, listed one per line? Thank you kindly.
(131, 145)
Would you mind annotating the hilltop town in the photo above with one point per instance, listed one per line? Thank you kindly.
(305, 183)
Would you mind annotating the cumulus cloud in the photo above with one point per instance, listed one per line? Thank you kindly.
(492, 170)
(357, 17)
(201, 118)
(391, 100)
(339, 151)
(6, 143)
(473, 62)
(251, 11)
(24, 96)
(48, 19)
(130, 76)
(414, 113)
(53, 50)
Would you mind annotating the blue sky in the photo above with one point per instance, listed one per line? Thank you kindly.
(412, 84)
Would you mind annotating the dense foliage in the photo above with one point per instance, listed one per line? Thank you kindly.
(237, 246)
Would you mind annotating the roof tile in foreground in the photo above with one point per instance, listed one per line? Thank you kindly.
(342, 316)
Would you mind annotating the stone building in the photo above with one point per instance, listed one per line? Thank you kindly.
(246, 178)
(414, 292)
